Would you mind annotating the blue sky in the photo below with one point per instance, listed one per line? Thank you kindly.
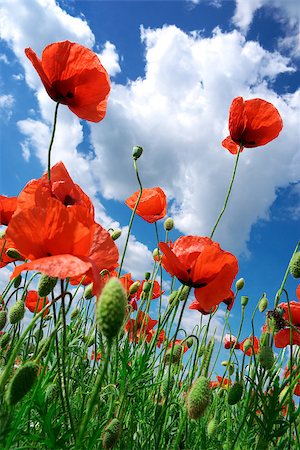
(175, 68)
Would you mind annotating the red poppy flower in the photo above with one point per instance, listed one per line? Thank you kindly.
(229, 341)
(34, 303)
(73, 75)
(59, 237)
(98, 356)
(179, 341)
(298, 292)
(152, 205)
(161, 338)
(202, 264)
(286, 374)
(156, 292)
(5, 244)
(252, 123)
(283, 338)
(140, 327)
(7, 208)
(254, 345)
(286, 336)
(220, 382)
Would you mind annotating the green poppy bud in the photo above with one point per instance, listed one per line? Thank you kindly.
(266, 357)
(116, 234)
(4, 340)
(13, 253)
(212, 427)
(147, 276)
(134, 287)
(147, 286)
(17, 281)
(176, 356)
(3, 319)
(16, 312)
(263, 304)
(295, 265)
(247, 345)
(198, 398)
(169, 224)
(110, 308)
(166, 385)
(235, 393)
(244, 300)
(189, 342)
(137, 152)
(156, 254)
(184, 293)
(111, 434)
(74, 313)
(88, 292)
(46, 285)
(21, 383)
(172, 297)
(240, 284)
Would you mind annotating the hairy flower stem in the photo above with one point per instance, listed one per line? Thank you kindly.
(52, 139)
(228, 192)
(93, 397)
(132, 217)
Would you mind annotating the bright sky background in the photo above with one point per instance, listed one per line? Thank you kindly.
(175, 67)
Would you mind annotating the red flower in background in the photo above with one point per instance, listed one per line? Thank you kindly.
(288, 336)
(254, 345)
(53, 227)
(73, 75)
(230, 341)
(298, 292)
(252, 123)
(5, 244)
(286, 374)
(202, 264)
(7, 208)
(220, 382)
(152, 205)
(34, 303)
(140, 327)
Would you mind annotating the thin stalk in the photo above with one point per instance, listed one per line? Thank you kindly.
(52, 139)
(228, 192)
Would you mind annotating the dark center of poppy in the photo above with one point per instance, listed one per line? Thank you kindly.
(191, 283)
(69, 200)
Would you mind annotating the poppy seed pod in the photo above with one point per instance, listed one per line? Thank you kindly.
(4, 340)
(295, 265)
(16, 312)
(240, 284)
(46, 285)
(13, 253)
(263, 304)
(266, 357)
(146, 287)
(169, 224)
(235, 393)
(88, 292)
(21, 383)
(198, 398)
(134, 287)
(137, 152)
(244, 300)
(147, 276)
(110, 308)
(3, 319)
(111, 434)
(116, 234)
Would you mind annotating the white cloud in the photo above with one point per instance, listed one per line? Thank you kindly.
(7, 102)
(3, 58)
(110, 59)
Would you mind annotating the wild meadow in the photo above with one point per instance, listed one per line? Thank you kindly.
(91, 358)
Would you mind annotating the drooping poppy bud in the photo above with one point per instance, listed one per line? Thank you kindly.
(198, 398)
(134, 287)
(110, 308)
(263, 304)
(176, 356)
(16, 312)
(116, 234)
(13, 253)
(21, 383)
(3, 319)
(17, 281)
(266, 357)
(212, 427)
(46, 285)
(295, 265)
(4, 340)
(88, 292)
(235, 393)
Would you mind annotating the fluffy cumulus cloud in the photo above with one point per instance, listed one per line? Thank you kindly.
(110, 59)
(6, 104)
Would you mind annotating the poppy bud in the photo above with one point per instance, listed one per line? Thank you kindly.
(229, 365)
(240, 284)
(189, 342)
(88, 292)
(176, 356)
(266, 357)
(21, 382)
(212, 427)
(247, 345)
(172, 297)
(169, 224)
(166, 385)
(198, 398)
(134, 287)
(46, 285)
(13, 253)
(74, 313)
(137, 152)
(184, 293)
(235, 393)
(4, 340)
(110, 308)
(147, 276)
(116, 234)
(111, 434)
(146, 287)
(3, 319)
(17, 281)
(16, 312)
(263, 304)
(295, 265)
(244, 300)
(156, 254)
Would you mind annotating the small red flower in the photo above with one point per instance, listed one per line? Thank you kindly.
(179, 341)
(7, 208)
(230, 341)
(220, 382)
(288, 336)
(98, 356)
(73, 75)
(252, 123)
(152, 205)
(34, 303)
(202, 264)
(140, 327)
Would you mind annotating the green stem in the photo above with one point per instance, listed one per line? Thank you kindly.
(52, 139)
(278, 295)
(132, 216)
(228, 192)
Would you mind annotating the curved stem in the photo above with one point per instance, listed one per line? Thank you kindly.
(132, 216)
(228, 192)
(52, 139)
